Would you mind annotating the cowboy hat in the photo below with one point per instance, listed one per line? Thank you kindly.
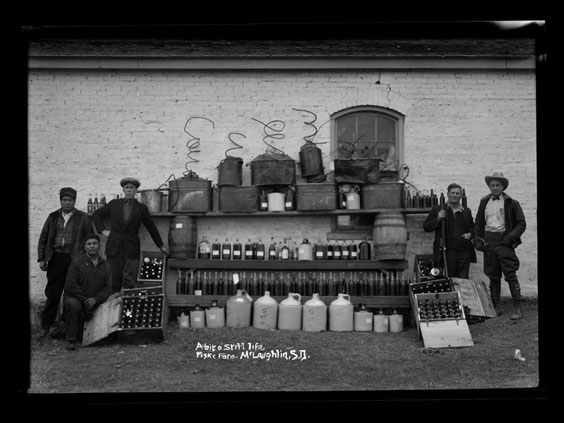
(497, 176)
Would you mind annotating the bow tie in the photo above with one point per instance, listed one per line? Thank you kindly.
(495, 198)
(128, 201)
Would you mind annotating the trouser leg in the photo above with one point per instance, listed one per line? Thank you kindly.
(130, 272)
(509, 266)
(74, 317)
(492, 269)
(116, 264)
(56, 275)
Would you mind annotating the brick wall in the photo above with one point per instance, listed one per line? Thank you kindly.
(88, 129)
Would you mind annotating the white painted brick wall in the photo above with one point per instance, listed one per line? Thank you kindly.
(88, 129)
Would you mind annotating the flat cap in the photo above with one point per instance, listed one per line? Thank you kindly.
(71, 192)
(130, 181)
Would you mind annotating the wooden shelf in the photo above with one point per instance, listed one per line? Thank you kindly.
(370, 301)
(291, 213)
(297, 265)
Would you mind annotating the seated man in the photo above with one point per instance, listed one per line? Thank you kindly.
(88, 284)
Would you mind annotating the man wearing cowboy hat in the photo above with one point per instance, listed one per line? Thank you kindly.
(500, 222)
(61, 240)
(123, 246)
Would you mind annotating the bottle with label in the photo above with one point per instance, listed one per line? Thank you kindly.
(237, 250)
(329, 251)
(284, 252)
(272, 250)
(226, 250)
(260, 252)
(216, 250)
(345, 252)
(353, 251)
(103, 200)
(198, 284)
(263, 201)
(90, 204)
(289, 200)
(204, 249)
(249, 250)
(319, 251)
(337, 251)
(364, 250)
(96, 204)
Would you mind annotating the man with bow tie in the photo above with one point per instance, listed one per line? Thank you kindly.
(500, 222)
(123, 246)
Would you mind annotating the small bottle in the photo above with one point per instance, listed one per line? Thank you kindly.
(90, 205)
(263, 201)
(260, 250)
(345, 252)
(329, 251)
(464, 199)
(103, 200)
(190, 284)
(216, 250)
(337, 251)
(95, 204)
(226, 250)
(285, 251)
(204, 249)
(237, 250)
(319, 251)
(249, 250)
(364, 250)
(289, 200)
(353, 251)
(272, 250)
(179, 282)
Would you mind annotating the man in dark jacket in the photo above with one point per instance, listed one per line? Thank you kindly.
(123, 246)
(459, 230)
(61, 240)
(88, 284)
(500, 222)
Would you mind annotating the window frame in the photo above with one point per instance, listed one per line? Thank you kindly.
(363, 231)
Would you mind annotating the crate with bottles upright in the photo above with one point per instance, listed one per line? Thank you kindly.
(286, 249)
(305, 283)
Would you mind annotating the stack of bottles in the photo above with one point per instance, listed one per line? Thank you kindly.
(282, 283)
(287, 249)
(437, 309)
(95, 204)
(151, 268)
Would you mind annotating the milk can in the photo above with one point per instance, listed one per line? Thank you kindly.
(314, 315)
(290, 312)
(215, 316)
(239, 310)
(197, 317)
(183, 321)
(396, 322)
(363, 320)
(265, 312)
(381, 322)
(341, 318)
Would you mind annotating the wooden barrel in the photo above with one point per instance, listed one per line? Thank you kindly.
(390, 236)
(182, 237)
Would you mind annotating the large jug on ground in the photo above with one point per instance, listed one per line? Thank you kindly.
(239, 310)
(290, 312)
(396, 322)
(215, 316)
(381, 322)
(314, 315)
(341, 317)
(363, 320)
(197, 317)
(265, 312)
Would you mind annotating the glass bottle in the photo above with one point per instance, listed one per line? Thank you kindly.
(249, 250)
(345, 252)
(216, 250)
(285, 251)
(237, 250)
(260, 250)
(289, 200)
(204, 249)
(353, 251)
(364, 250)
(272, 250)
(179, 283)
(263, 201)
(90, 204)
(319, 250)
(226, 250)
(329, 251)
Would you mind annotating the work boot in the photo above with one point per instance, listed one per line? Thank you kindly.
(515, 290)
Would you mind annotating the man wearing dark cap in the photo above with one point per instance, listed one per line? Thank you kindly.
(123, 246)
(60, 241)
(500, 222)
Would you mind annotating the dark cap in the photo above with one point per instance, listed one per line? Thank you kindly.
(130, 181)
(67, 191)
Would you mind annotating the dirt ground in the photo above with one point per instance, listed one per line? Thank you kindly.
(368, 364)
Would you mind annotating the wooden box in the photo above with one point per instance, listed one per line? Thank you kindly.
(152, 268)
(104, 322)
(445, 328)
(142, 316)
(385, 195)
(475, 297)
(316, 196)
(432, 286)
(239, 198)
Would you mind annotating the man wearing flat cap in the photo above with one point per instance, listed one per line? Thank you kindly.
(123, 246)
(61, 240)
(500, 222)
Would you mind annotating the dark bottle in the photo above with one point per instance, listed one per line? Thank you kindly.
(103, 200)
(319, 251)
(260, 285)
(300, 284)
(96, 204)
(90, 205)
(393, 284)
(351, 284)
(254, 285)
(353, 251)
(190, 288)
(221, 285)
(464, 199)
(345, 251)
(179, 283)
(249, 250)
(371, 285)
(293, 283)
(277, 286)
(342, 284)
(364, 250)
(226, 250)
(216, 250)
(342, 200)
(215, 285)
(237, 250)
(361, 285)
(263, 201)
(242, 283)
(337, 251)
(205, 284)
(381, 285)
(198, 284)
(289, 200)
(260, 251)
(442, 198)
(272, 250)
(204, 249)
(329, 251)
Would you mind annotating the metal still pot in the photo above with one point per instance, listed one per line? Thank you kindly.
(152, 198)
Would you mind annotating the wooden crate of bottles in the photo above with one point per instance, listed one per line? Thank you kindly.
(440, 319)
(142, 315)
(152, 268)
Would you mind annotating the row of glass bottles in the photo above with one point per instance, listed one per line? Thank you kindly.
(283, 250)
(428, 198)
(304, 283)
(95, 204)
